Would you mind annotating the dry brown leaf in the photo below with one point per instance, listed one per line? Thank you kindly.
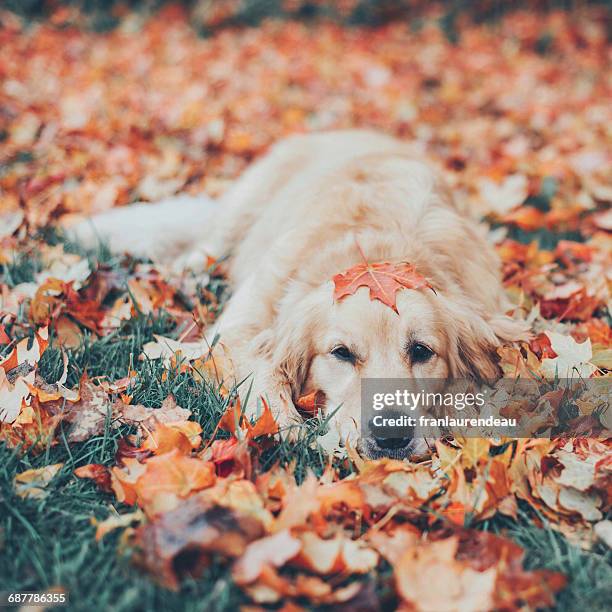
(169, 477)
(117, 521)
(183, 437)
(196, 528)
(32, 484)
(431, 563)
(393, 544)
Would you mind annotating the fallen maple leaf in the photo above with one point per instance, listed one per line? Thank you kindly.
(235, 422)
(68, 333)
(569, 500)
(384, 280)
(123, 481)
(230, 457)
(311, 403)
(46, 300)
(272, 588)
(474, 450)
(171, 476)
(27, 351)
(55, 296)
(528, 218)
(166, 348)
(13, 397)
(89, 414)
(514, 587)
(265, 425)
(502, 198)
(34, 428)
(90, 411)
(4, 338)
(17, 377)
(183, 436)
(126, 450)
(572, 360)
(232, 419)
(336, 555)
(393, 544)
(148, 418)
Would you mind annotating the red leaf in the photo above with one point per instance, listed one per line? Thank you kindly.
(542, 347)
(126, 450)
(231, 457)
(100, 474)
(383, 279)
(265, 425)
(310, 404)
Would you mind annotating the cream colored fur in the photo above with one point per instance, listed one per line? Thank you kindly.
(307, 211)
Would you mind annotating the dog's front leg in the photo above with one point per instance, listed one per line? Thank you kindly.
(264, 385)
(251, 369)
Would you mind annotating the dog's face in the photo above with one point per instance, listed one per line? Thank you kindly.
(329, 346)
(360, 338)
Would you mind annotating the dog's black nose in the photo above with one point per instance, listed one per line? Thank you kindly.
(392, 443)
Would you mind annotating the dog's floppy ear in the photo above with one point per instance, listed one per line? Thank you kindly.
(475, 338)
(289, 345)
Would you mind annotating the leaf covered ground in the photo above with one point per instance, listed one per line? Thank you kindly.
(128, 476)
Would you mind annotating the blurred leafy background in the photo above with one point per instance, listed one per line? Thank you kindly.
(210, 15)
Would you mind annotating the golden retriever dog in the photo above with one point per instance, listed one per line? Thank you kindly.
(313, 207)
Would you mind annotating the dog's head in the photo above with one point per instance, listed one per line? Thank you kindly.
(328, 345)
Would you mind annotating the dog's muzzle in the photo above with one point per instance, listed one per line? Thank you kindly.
(396, 443)
(375, 447)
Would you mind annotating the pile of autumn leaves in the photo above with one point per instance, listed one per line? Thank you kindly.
(195, 499)
(313, 540)
(327, 540)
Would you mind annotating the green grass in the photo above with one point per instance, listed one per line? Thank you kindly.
(21, 269)
(104, 15)
(589, 573)
(50, 542)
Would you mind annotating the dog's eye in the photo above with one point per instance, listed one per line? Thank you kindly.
(419, 353)
(343, 354)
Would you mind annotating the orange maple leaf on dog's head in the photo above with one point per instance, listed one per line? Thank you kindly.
(383, 279)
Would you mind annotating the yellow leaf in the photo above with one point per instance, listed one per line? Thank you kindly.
(116, 521)
(473, 450)
(32, 483)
